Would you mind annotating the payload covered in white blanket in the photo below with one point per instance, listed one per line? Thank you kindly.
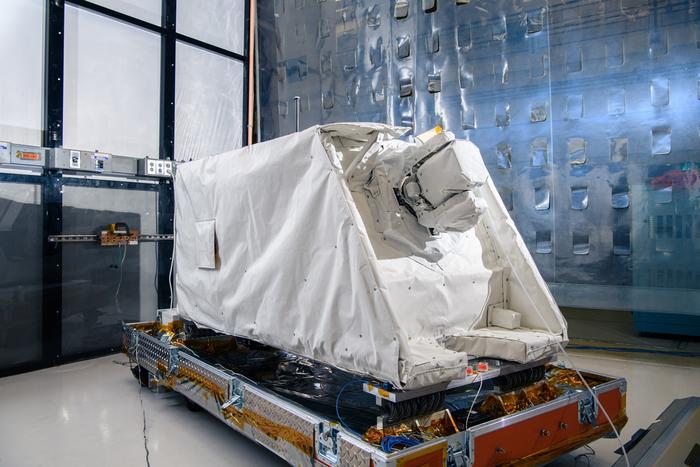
(346, 245)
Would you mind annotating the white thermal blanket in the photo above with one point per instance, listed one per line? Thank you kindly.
(274, 242)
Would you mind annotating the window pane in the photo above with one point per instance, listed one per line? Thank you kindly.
(217, 22)
(21, 82)
(209, 103)
(105, 286)
(21, 220)
(147, 10)
(111, 85)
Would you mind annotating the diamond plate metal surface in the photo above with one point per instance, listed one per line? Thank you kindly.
(218, 382)
(351, 455)
(279, 429)
(587, 113)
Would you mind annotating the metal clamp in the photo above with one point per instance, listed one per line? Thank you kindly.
(327, 442)
(236, 395)
(457, 455)
(173, 360)
(588, 411)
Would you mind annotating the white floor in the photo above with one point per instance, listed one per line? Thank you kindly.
(650, 389)
(92, 414)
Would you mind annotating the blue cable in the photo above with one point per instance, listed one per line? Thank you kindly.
(337, 407)
(390, 442)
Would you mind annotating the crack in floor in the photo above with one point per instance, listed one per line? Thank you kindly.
(143, 412)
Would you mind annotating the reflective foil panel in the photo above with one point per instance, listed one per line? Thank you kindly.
(587, 114)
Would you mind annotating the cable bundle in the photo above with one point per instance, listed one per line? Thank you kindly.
(390, 442)
(424, 405)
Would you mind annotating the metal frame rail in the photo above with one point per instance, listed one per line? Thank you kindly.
(76, 238)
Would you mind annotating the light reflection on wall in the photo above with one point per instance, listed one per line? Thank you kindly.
(586, 112)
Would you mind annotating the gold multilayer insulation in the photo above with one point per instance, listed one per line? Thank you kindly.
(557, 381)
(530, 396)
(433, 426)
(271, 429)
(239, 418)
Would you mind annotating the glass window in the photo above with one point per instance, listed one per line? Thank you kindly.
(147, 10)
(209, 103)
(105, 286)
(21, 220)
(111, 85)
(21, 82)
(216, 22)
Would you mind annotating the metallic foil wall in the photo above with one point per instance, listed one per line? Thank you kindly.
(587, 113)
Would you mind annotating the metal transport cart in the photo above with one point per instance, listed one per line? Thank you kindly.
(311, 414)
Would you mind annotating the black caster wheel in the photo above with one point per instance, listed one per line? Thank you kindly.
(191, 406)
(141, 374)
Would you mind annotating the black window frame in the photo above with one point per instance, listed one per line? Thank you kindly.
(51, 180)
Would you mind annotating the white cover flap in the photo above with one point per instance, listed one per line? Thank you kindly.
(206, 234)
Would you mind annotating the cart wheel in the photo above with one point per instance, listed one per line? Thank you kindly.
(191, 406)
(141, 374)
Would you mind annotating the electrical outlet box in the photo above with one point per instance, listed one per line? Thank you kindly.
(61, 158)
(156, 167)
(90, 161)
(28, 155)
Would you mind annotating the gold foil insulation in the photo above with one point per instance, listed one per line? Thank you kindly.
(425, 428)
(557, 381)
(240, 418)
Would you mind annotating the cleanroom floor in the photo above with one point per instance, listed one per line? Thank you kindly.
(92, 413)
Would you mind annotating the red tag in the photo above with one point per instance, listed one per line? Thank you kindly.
(28, 156)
